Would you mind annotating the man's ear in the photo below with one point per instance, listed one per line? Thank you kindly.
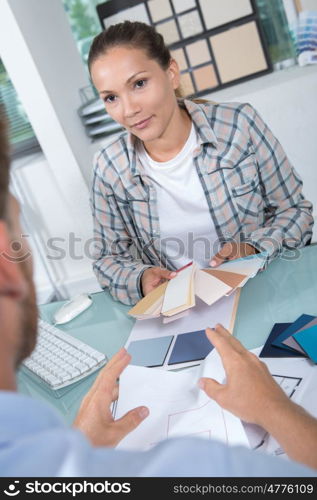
(12, 281)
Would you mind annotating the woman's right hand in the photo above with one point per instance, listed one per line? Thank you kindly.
(153, 277)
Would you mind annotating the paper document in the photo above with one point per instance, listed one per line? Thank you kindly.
(177, 406)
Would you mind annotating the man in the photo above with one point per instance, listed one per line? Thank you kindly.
(35, 442)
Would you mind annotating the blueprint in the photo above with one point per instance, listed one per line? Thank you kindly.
(177, 406)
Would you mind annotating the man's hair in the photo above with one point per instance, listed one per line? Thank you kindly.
(4, 163)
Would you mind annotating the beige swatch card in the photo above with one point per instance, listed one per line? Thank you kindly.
(149, 303)
(209, 288)
(231, 279)
(179, 294)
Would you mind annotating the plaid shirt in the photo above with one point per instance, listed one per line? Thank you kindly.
(253, 194)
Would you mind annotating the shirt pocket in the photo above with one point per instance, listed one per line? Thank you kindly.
(248, 200)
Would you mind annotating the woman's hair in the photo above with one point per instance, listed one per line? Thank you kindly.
(135, 35)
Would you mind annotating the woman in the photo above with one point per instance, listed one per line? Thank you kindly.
(187, 180)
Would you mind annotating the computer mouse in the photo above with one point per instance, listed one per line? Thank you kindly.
(72, 308)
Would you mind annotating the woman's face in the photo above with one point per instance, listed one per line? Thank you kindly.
(137, 92)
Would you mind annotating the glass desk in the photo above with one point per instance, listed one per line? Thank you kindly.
(284, 291)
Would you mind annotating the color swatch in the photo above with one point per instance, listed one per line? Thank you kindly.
(149, 352)
(160, 9)
(293, 328)
(155, 352)
(193, 346)
(271, 351)
(290, 342)
(182, 5)
(219, 12)
(238, 52)
(307, 339)
(136, 13)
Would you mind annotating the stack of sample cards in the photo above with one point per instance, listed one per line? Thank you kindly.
(297, 339)
(174, 298)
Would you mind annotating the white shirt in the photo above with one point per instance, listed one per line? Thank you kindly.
(187, 231)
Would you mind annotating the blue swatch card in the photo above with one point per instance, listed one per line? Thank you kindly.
(192, 346)
(270, 351)
(150, 352)
(307, 339)
(293, 328)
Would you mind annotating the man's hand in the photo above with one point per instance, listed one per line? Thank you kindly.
(94, 418)
(250, 392)
(231, 251)
(153, 277)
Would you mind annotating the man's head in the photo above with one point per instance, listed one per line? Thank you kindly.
(18, 312)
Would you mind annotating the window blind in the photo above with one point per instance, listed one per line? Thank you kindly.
(22, 138)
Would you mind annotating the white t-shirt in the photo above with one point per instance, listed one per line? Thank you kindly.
(187, 231)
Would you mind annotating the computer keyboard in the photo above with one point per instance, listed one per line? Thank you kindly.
(60, 359)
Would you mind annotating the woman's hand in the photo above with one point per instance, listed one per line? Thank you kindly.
(153, 277)
(231, 251)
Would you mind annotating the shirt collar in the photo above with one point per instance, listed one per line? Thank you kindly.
(135, 164)
(200, 121)
(203, 128)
